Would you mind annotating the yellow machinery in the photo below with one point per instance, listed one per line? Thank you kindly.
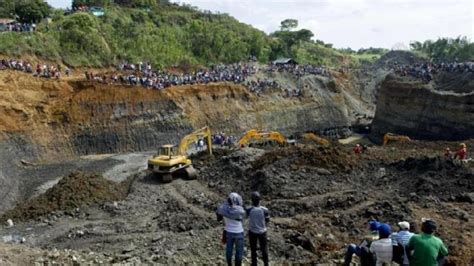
(316, 139)
(262, 136)
(393, 137)
(171, 159)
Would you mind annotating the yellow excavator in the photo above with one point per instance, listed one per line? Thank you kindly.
(311, 137)
(394, 137)
(257, 135)
(171, 159)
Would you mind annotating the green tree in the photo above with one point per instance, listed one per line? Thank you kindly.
(289, 38)
(446, 49)
(7, 8)
(101, 3)
(32, 10)
(288, 24)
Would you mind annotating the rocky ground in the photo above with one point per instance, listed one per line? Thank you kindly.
(320, 200)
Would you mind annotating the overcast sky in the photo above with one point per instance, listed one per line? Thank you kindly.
(352, 23)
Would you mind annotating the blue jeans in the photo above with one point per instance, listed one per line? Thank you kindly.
(366, 258)
(236, 239)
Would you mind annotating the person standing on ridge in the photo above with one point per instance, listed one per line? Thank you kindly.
(233, 213)
(258, 218)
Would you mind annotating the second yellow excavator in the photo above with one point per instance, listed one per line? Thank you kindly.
(170, 160)
(311, 137)
(394, 137)
(257, 135)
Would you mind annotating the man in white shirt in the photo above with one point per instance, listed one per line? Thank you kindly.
(383, 248)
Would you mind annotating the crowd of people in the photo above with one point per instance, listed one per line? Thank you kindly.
(380, 246)
(426, 71)
(299, 70)
(20, 27)
(144, 75)
(262, 85)
(223, 139)
(41, 70)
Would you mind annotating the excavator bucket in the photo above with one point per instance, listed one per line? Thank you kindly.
(191, 173)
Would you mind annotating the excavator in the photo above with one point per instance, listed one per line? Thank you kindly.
(171, 159)
(257, 135)
(311, 137)
(394, 137)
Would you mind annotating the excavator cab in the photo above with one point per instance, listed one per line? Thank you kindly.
(171, 159)
(167, 150)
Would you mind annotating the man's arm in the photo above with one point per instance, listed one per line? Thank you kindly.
(267, 215)
(411, 244)
(443, 250)
(248, 210)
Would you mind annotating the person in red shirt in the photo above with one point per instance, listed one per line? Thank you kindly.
(357, 149)
(462, 152)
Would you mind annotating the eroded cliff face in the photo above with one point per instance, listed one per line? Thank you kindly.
(45, 119)
(441, 110)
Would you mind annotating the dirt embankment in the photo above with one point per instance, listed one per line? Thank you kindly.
(70, 117)
(76, 190)
(435, 111)
(320, 200)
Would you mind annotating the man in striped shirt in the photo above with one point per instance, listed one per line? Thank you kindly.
(401, 238)
(383, 248)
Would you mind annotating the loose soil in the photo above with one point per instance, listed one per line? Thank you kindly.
(320, 199)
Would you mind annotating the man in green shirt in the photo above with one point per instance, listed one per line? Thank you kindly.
(427, 248)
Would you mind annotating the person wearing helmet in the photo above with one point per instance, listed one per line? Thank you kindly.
(233, 213)
(462, 152)
(357, 149)
(258, 218)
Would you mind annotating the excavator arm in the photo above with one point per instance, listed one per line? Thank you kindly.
(393, 137)
(204, 132)
(313, 137)
(258, 135)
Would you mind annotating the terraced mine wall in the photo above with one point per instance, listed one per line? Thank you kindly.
(441, 110)
(51, 122)
(46, 120)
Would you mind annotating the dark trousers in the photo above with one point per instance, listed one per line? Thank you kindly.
(262, 239)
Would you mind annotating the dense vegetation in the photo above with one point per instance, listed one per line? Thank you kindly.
(446, 49)
(167, 34)
(157, 31)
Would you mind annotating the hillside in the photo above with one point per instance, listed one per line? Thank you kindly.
(165, 35)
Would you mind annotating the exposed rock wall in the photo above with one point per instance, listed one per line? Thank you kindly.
(424, 111)
(56, 119)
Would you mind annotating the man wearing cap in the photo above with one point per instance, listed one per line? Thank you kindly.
(383, 248)
(362, 250)
(401, 238)
(427, 248)
(258, 218)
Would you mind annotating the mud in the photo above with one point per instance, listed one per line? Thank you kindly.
(71, 192)
(320, 200)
